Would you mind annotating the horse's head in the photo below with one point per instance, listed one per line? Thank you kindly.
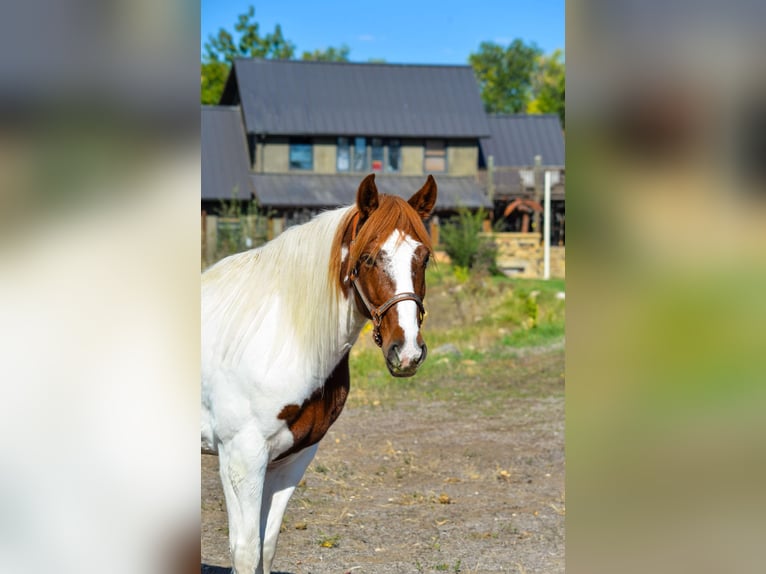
(388, 259)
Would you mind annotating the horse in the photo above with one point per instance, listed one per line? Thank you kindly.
(278, 322)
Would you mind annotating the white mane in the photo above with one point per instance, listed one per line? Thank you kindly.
(292, 271)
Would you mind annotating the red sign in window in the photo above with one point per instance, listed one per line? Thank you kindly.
(377, 165)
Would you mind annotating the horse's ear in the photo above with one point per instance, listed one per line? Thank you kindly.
(424, 200)
(367, 196)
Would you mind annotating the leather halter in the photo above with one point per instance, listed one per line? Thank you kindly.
(376, 313)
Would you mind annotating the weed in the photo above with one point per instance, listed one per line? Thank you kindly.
(325, 541)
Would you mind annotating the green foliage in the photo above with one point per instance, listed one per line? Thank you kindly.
(223, 48)
(247, 42)
(241, 225)
(214, 74)
(330, 54)
(505, 75)
(462, 242)
(250, 43)
(520, 78)
(548, 86)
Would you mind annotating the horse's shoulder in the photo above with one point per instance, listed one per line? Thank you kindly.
(310, 421)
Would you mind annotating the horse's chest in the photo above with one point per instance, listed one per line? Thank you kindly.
(309, 422)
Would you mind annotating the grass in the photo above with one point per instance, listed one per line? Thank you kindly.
(489, 321)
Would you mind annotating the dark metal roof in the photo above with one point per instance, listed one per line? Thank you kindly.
(225, 165)
(517, 139)
(326, 191)
(289, 97)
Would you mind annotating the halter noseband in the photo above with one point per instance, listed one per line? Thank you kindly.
(376, 313)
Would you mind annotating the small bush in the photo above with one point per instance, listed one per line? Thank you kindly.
(462, 242)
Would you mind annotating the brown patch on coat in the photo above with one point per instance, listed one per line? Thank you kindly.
(311, 421)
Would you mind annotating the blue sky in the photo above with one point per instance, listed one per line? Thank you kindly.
(425, 32)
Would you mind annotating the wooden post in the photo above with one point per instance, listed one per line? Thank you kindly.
(547, 228)
(434, 231)
(491, 178)
(537, 174)
(204, 237)
(211, 238)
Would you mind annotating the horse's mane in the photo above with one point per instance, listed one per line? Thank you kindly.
(293, 270)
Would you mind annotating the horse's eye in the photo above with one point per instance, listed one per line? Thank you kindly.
(426, 259)
(367, 259)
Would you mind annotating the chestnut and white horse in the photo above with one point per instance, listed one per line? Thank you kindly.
(277, 326)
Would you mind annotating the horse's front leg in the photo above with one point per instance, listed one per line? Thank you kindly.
(281, 480)
(243, 462)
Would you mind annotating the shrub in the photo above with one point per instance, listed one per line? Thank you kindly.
(462, 242)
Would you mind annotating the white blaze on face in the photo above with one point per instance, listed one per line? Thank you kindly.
(399, 252)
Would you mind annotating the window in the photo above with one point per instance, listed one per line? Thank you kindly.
(301, 155)
(344, 155)
(376, 153)
(360, 154)
(355, 155)
(436, 156)
(394, 156)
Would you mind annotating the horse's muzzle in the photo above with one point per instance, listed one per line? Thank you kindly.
(405, 366)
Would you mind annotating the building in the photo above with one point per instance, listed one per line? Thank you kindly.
(515, 141)
(308, 132)
(298, 137)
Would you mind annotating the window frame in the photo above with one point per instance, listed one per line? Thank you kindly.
(376, 149)
(434, 154)
(388, 146)
(347, 147)
(295, 143)
(365, 167)
(382, 151)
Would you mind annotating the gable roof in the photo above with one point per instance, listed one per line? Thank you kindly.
(518, 138)
(293, 97)
(225, 165)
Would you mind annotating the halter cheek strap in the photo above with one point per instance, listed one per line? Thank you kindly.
(376, 313)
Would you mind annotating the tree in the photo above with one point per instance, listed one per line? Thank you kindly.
(250, 44)
(505, 75)
(331, 54)
(548, 86)
(222, 49)
(214, 76)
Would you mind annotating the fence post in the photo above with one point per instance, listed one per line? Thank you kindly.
(547, 228)
(491, 178)
(537, 175)
(203, 255)
(211, 238)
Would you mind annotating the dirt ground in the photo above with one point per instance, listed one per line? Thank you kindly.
(427, 486)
